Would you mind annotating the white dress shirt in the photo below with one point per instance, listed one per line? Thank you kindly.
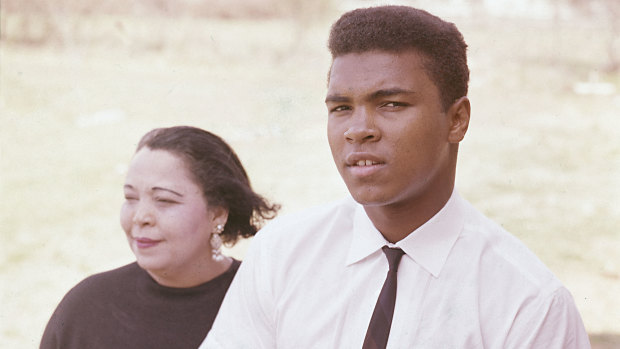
(311, 280)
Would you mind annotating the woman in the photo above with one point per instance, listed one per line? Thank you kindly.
(186, 193)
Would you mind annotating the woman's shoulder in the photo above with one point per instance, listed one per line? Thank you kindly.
(96, 285)
(81, 308)
(129, 270)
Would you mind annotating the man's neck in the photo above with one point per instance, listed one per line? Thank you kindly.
(397, 221)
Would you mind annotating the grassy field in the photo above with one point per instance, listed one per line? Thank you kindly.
(540, 158)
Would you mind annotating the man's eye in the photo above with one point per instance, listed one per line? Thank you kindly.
(341, 108)
(394, 104)
(130, 198)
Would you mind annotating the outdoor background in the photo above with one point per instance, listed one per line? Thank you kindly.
(82, 81)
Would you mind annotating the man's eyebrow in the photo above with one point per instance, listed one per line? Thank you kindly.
(389, 92)
(337, 99)
(168, 190)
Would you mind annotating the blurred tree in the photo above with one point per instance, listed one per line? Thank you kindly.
(60, 21)
(609, 11)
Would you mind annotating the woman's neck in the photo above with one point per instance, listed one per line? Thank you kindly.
(195, 275)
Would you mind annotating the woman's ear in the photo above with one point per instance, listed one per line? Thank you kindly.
(458, 116)
(220, 215)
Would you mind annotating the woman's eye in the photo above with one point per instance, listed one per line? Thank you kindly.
(165, 201)
(130, 198)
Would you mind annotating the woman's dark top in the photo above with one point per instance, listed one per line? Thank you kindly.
(126, 308)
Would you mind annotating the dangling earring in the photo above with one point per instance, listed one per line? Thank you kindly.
(216, 243)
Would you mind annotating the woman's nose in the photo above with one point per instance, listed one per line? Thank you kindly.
(143, 215)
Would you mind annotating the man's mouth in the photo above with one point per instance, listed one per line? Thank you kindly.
(366, 163)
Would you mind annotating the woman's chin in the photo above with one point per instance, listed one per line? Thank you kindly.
(150, 264)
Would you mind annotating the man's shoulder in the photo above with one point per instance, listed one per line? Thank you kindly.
(504, 253)
(304, 235)
(307, 220)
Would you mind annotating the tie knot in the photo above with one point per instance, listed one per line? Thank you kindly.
(393, 256)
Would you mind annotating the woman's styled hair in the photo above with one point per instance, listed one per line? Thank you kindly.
(218, 171)
(402, 28)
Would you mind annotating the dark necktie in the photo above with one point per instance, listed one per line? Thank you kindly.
(381, 320)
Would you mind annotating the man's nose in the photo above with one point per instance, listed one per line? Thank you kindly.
(362, 127)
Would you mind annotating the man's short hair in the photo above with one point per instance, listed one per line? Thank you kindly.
(402, 28)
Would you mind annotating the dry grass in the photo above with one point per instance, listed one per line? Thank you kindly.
(540, 159)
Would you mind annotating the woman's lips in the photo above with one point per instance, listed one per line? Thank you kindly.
(146, 242)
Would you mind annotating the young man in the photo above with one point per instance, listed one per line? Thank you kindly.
(407, 262)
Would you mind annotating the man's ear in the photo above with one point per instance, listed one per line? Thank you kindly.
(458, 116)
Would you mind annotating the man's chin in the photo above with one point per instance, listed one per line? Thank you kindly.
(369, 199)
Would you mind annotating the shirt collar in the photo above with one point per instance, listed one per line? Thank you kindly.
(429, 245)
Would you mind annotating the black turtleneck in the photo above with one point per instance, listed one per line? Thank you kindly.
(126, 308)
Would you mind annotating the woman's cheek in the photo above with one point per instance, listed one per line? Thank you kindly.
(126, 217)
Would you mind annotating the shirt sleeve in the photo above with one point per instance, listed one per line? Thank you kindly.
(552, 323)
(246, 317)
